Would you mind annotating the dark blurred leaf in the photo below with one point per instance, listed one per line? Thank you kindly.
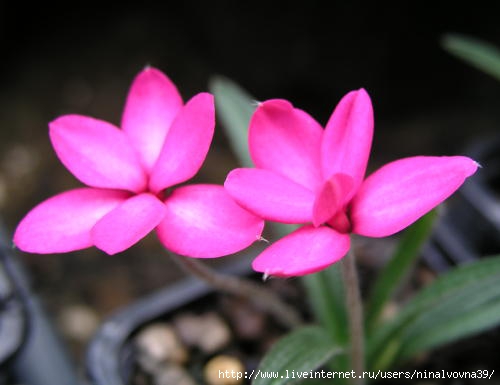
(234, 108)
(479, 54)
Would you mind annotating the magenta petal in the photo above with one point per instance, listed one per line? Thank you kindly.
(305, 251)
(97, 153)
(400, 192)
(203, 221)
(128, 223)
(348, 136)
(152, 104)
(63, 223)
(287, 141)
(332, 197)
(270, 195)
(187, 143)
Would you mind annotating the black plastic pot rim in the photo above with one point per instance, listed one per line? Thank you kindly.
(104, 359)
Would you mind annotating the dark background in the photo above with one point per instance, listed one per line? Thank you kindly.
(81, 58)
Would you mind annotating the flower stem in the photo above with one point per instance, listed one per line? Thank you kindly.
(259, 295)
(355, 317)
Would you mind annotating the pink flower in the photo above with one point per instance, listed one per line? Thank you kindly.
(307, 175)
(162, 142)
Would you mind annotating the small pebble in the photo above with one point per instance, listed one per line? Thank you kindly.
(425, 276)
(158, 344)
(78, 322)
(389, 311)
(224, 370)
(173, 374)
(208, 332)
(248, 323)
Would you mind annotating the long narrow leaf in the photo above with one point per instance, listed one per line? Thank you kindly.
(476, 310)
(484, 56)
(455, 306)
(326, 295)
(398, 267)
(234, 108)
(302, 351)
(481, 318)
(460, 283)
(325, 291)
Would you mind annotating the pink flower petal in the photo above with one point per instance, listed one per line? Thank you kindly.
(187, 143)
(97, 153)
(63, 223)
(128, 223)
(348, 136)
(287, 141)
(152, 104)
(332, 197)
(270, 195)
(305, 251)
(400, 192)
(203, 221)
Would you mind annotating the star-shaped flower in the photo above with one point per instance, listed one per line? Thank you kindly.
(163, 142)
(307, 175)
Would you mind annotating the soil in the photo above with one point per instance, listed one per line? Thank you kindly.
(252, 334)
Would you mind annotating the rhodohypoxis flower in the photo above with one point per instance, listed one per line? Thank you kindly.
(307, 175)
(130, 173)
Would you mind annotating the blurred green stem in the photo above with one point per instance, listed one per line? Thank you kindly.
(238, 286)
(355, 317)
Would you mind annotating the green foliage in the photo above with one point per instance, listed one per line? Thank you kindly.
(326, 296)
(398, 267)
(326, 293)
(303, 350)
(462, 302)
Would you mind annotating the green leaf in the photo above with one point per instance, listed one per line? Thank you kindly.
(477, 310)
(398, 267)
(482, 318)
(303, 350)
(234, 108)
(455, 300)
(326, 296)
(484, 56)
